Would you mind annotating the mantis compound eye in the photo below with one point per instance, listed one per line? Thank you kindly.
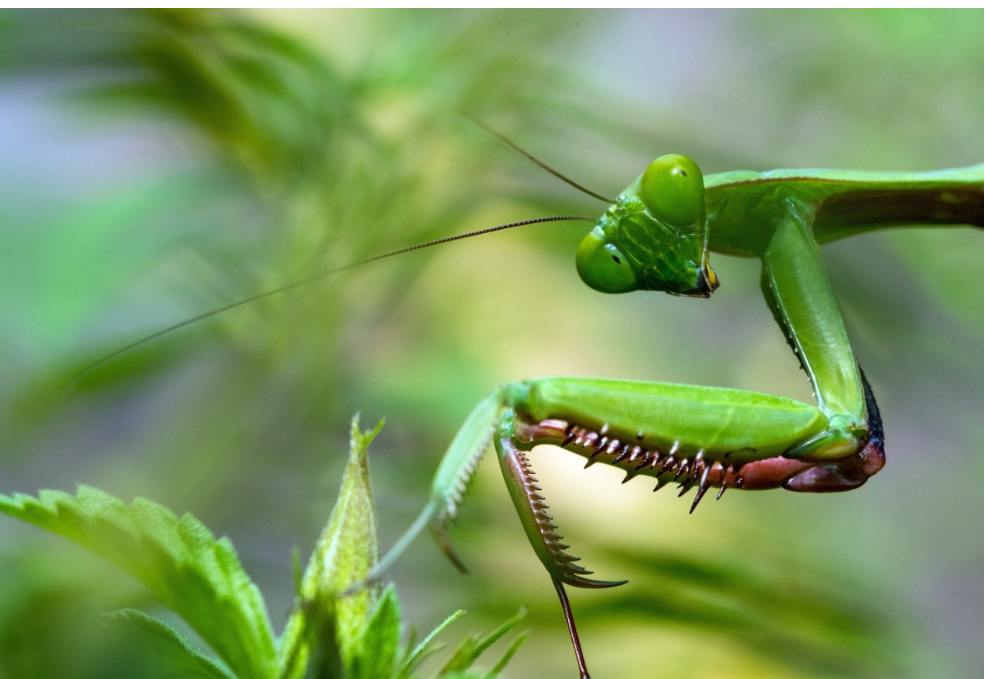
(672, 187)
(602, 267)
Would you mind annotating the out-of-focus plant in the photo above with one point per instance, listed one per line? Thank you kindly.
(271, 158)
(331, 633)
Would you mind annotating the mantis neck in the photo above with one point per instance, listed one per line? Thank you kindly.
(867, 210)
(743, 208)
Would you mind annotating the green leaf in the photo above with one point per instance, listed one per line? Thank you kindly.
(344, 555)
(178, 560)
(380, 646)
(507, 656)
(473, 646)
(177, 657)
(427, 646)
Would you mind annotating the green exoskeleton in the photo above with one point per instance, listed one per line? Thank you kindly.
(658, 235)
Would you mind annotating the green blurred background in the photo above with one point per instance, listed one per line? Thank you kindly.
(156, 165)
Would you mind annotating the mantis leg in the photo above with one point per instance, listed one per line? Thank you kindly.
(699, 437)
(677, 430)
(798, 291)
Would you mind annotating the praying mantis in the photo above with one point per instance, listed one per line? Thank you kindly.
(657, 235)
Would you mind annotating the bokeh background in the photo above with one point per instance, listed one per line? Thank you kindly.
(156, 165)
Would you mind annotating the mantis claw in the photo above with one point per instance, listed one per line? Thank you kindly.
(724, 487)
(576, 412)
(702, 487)
(532, 508)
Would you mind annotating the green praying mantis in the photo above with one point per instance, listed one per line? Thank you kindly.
(658, 235)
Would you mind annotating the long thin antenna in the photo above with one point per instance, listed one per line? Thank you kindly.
(529, 156)
(310, 279)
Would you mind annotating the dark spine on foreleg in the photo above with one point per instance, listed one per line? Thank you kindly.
(873, 454)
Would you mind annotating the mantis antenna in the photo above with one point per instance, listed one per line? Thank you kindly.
(495, 134)
(304, 281)
(338, 269)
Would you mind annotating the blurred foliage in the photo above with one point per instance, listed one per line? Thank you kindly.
(331, 634)
(158, 164)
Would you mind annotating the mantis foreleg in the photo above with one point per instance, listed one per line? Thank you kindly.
(699, 437)
(657, 235)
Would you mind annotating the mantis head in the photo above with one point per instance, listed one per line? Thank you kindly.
(654, 236)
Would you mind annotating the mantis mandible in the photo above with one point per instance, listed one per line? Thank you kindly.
(658, 235)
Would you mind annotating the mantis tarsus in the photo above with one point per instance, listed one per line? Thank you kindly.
(657, 235)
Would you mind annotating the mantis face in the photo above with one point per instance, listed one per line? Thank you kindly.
(654, 237)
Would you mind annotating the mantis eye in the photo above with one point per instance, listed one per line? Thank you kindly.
(672, 187)
(602, 267)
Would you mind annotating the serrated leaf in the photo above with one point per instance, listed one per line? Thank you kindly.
(176, 656)
(344, 555)
(380, 647)
(179, 560)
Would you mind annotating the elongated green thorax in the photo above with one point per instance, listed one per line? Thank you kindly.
(653, 237)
